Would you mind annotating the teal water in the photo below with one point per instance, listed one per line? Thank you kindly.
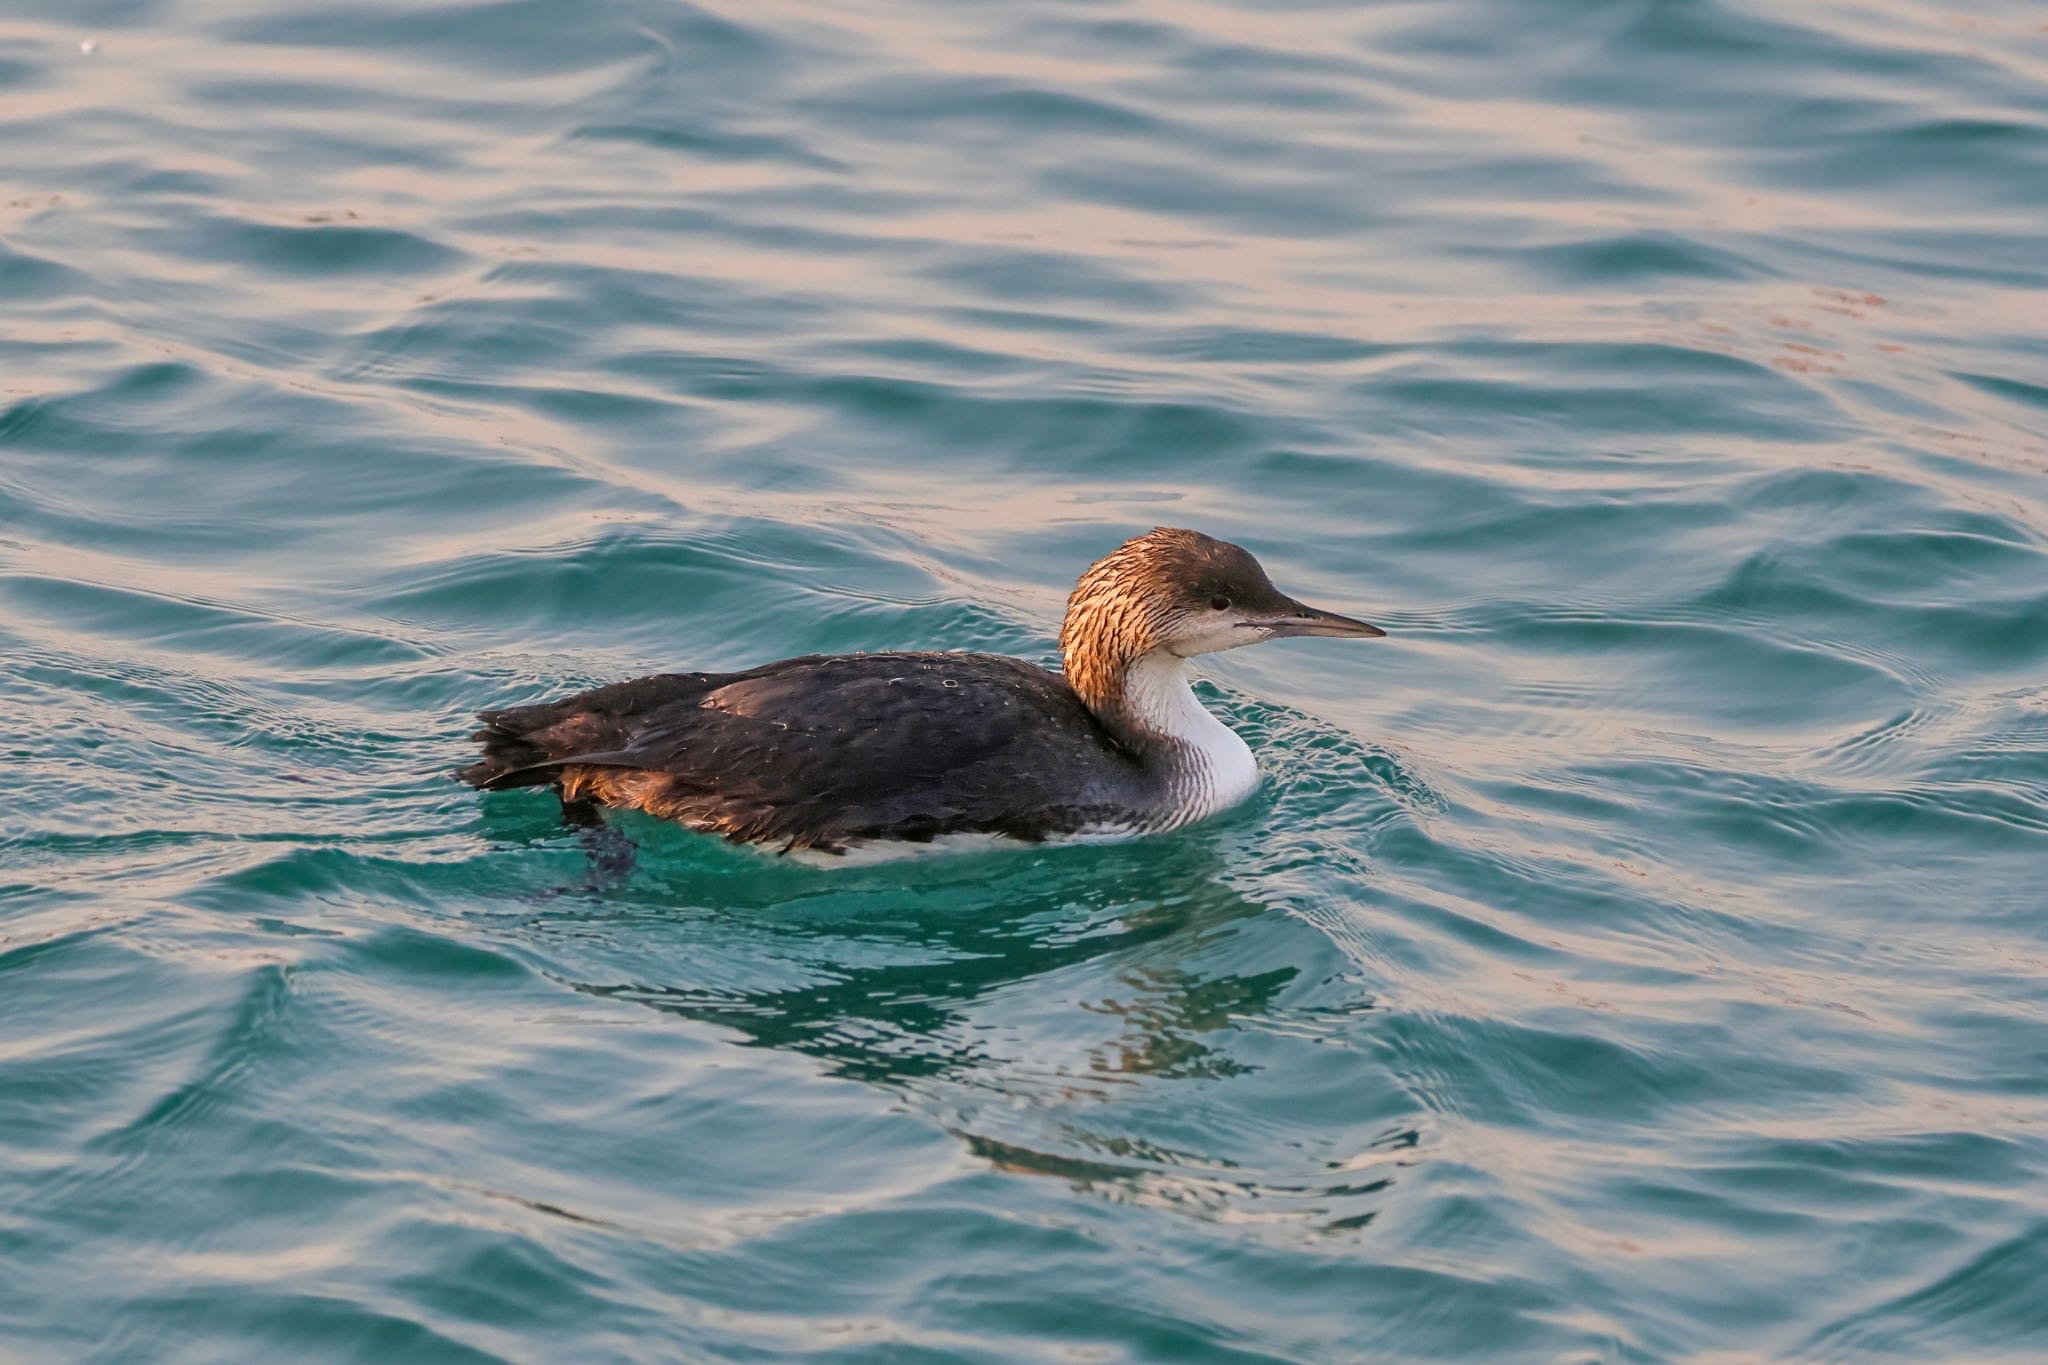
(1639, 956)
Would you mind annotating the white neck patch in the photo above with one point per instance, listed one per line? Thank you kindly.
(1219, 768)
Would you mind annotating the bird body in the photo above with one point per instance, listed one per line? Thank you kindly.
(833, 752)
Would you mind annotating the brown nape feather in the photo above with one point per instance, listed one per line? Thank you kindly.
(1113, 617)
(1128, 602)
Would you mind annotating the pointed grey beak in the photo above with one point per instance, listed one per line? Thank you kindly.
(1302, 619)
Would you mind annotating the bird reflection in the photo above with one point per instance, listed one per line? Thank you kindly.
(1029, 1003)
(927, 949)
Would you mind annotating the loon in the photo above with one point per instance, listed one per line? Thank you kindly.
(827, 753)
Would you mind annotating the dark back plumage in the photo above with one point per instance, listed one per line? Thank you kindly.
(828, 750)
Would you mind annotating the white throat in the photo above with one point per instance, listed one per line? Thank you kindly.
(1210, 768)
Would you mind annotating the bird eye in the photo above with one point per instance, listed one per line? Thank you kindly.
(1220, 603)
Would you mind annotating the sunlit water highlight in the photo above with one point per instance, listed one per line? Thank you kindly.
(1639, 956)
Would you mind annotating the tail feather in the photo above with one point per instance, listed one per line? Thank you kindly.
(510, 759)
(525, 746)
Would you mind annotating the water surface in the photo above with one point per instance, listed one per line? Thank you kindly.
(1637, 957)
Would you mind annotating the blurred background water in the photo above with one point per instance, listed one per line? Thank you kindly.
(1640, 956)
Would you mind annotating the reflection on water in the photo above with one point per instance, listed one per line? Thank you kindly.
(891, 1007)
(1010, 1011)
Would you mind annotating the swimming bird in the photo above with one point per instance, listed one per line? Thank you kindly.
(829, 753)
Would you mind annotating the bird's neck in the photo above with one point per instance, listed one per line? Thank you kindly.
(1145, 700)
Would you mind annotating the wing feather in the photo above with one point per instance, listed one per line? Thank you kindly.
(825, 749)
